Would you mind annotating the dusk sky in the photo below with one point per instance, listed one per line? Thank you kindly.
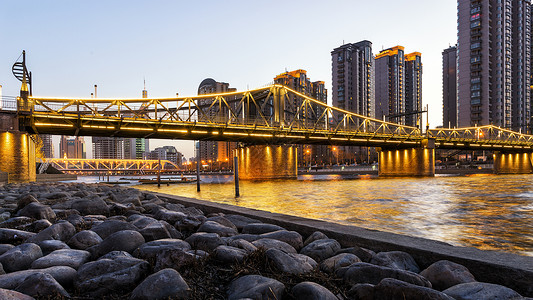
(73, 45)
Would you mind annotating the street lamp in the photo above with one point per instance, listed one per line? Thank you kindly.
(309, 156)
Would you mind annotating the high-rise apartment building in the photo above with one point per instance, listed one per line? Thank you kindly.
(449, 87)
(135, 148)
(71, 147)
(494, 63)
(398, 86)
(298, 81)
(213, 151)
(166, 153)
(47, 148)
(108, 148)
(353, 78)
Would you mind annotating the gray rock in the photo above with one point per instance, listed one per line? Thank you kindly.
(292, 238)
(76, 220)
(175, 259)
(49, 246)
(274, 244)
(152, 249)
(332, 264)
(169, 216)
(90, 205)
(246, 236)
(188, 224)
(159, 230)
(125, 240)
(40, 225)
(109, 227)
(115, 254)
(311, 291)
(290, 263)
(63, 257)
(480, 291)
(24, 200)
(362, 291)
(20, 257)
(369, 273)
(62, 231)
(5, 247)
(141, 221)
(364, 255)
(240, 221)
(390, 288)
(317, 235)
(84, 239)
(165, 284)
(444, 274)
(321, 249)
(19, 223)
(63, 275)
(14, 236)
(222, 220)
(110, 276)
(396, 260)
(255, 287)
(260, 228)
(13, 295)
(243, 244)
(205, 241)
(37, 211)
(215, 227)
(42, 285)
(228, 254)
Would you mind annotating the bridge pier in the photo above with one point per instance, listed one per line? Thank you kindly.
(17, 153)
(260, 162)
(410, 162)
(513, 162)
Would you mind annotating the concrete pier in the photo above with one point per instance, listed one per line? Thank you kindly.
(17, 153)
(407, 162)
(267, 162)
(513, 163)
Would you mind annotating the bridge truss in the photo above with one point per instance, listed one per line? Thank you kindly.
(273, 114)
(73, 165)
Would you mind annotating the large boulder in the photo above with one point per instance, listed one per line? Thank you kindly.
(222, 221)
(63, 275)
(332, 264)
(321, 249)
(169, 216)
(396, 260)
(228, 254)
(390, 288)
(62, 231)
(14, 236)
(49, 246)
(159, 230)
(24, 200)
(110, 276)
(215, 227)
(63, 257)
(20, 257)
(152, 249)
(165, 284)
(240, 221)
(292, 238)
(109, 227)
(84, 239)
(290, 263)
(177, 258)
(311, 291)
(205, 241)
(260, 228)
(274, 244)
(444, 274)
(125, 240)
(90, 205)
(317, 235)
(37, 211)
(481, 290)
(255, 287)
(369, 273)
(42, 286)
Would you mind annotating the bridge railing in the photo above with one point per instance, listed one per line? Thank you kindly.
(486, 134)
(8, 103)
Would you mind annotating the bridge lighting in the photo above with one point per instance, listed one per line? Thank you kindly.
(136, 128)
(199, 131)
(53, 125)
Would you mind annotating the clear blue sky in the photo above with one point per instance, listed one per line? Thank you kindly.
(73, 45)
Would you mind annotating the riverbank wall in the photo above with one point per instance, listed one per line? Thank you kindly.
(508, 269)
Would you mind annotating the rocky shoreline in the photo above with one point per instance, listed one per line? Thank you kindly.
(82, 241)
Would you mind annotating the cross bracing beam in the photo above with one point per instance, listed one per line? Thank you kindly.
(93, 165)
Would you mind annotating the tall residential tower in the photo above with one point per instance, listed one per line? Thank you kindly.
(449, 87)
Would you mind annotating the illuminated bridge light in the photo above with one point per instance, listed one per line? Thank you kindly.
(53, 125)
(199, 131)
(136, 129)
(173, 130)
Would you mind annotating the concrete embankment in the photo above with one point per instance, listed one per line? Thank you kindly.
(512, 270)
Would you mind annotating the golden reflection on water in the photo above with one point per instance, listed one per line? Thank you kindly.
(488, 212)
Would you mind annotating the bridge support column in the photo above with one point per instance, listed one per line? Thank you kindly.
(408, 162)
(267, 162)
(513, 163)
(17, 156)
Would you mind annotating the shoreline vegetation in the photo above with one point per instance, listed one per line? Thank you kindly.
(94, 241)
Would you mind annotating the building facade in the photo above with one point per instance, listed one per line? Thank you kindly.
(353, 72)
(494, 64)
(72, 147)
(413, 89)
(48, 147)
(108, 148)
(166, 153)
(449, 87)
(213, 152)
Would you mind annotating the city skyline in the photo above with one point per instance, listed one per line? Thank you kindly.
(176, 45)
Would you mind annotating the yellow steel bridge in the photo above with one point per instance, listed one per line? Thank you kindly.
(111, 165)
(273, 114)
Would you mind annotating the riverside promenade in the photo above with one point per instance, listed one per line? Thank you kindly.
(100, 241)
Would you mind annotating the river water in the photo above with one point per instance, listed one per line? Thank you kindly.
(489, 212)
